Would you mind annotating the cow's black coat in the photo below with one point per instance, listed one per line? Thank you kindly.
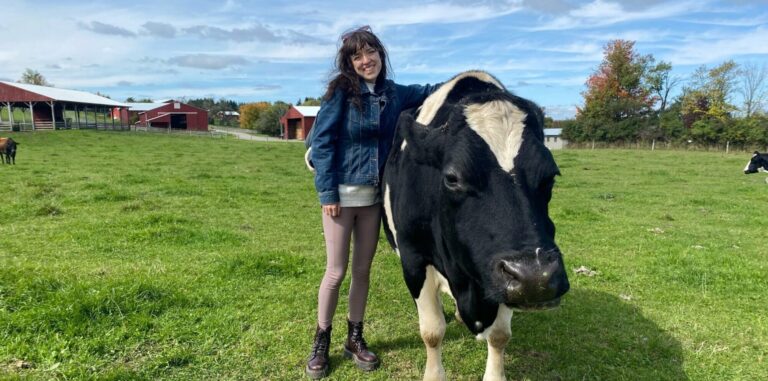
(758, 161)
(455, 208)
(8, 150)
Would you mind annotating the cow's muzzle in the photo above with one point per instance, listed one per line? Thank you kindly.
(533, 281)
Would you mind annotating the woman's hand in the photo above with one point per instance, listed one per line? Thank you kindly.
(333, 210)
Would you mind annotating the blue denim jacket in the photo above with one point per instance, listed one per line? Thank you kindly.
(349, 145)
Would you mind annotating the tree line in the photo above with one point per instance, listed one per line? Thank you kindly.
(627, 99)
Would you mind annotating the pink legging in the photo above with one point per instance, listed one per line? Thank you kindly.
(363, 223)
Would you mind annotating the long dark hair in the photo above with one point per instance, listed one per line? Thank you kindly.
(344, 76)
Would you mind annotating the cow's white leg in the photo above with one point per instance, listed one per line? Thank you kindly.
(431, 325)
(497, 336)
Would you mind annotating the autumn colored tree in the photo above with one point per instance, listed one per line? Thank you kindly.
(707, 110)
(617, 101)
(249, 114)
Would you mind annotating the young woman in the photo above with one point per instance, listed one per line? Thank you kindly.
(350, 142)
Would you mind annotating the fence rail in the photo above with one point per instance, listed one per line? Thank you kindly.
(157, 130)
(669, 146)
(60, 125)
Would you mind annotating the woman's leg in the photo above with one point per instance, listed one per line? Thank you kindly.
(366, 233)
(338, 231)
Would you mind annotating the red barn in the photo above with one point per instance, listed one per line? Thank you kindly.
(173, 115)
(48, 108)
(298, 120)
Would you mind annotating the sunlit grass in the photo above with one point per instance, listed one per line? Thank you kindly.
(141, 257)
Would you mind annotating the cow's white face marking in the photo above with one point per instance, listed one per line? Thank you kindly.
(390, 220)
(500, 124)
(746, 168)
(436, 100)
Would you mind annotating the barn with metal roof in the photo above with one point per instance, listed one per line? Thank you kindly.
(174, 115)
(49, 108)
(298, 120)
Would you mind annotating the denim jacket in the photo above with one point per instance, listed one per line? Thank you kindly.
(350, 145)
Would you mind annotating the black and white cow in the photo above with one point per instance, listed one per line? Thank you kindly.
(758, 163)
(466, 191)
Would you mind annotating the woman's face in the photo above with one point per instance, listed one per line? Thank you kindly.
(367, 63)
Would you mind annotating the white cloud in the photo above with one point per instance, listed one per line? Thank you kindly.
(715, 48)
(208, 61)
(430, 13)
(601, 13)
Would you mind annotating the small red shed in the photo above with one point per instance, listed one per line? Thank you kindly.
(298, 120)
(174, 115)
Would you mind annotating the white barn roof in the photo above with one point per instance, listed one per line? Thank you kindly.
(144, 106)
(553, 131)
(65, 95)
(307, 110)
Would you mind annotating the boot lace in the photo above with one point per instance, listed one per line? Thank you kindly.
(358, 340)
(321, 344)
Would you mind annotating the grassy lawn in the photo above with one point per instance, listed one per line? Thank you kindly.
(142, 257)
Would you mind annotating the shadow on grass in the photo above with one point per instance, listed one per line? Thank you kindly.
(592, 336)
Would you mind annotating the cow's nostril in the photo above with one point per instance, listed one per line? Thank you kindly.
(512, 273)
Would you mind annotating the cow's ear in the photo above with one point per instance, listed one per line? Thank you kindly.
(422, 142)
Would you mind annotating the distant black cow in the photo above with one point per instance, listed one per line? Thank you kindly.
(758, 163)
(466, 191)
(8, 150)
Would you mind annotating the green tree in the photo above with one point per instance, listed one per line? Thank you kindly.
(33, 77)
(670, 123)
(309, 101)
(661, 83)
(269, 119)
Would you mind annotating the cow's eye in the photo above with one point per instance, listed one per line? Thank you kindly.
(452, 180)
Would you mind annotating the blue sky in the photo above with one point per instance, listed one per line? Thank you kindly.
(267, 50)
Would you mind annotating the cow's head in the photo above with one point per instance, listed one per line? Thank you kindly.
(757, 163)
(494, 177)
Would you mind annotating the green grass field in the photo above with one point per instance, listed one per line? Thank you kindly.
(144, 257)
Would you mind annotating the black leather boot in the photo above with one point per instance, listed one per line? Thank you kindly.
(356, 348)
(317, 365)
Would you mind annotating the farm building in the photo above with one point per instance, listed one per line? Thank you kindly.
(553, 139)
(26, 107)
(229, 116)
(298, 120)
(167, 114)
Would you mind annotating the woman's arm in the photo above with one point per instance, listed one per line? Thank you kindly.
(414, 95)
(324, 140)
